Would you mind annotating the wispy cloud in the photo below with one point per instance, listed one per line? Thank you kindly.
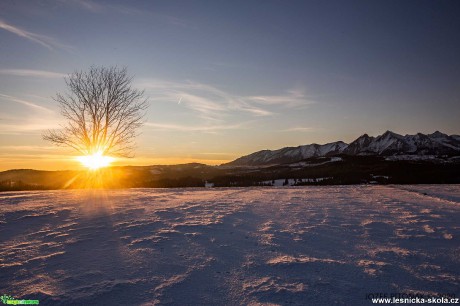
(214, 103)
(299, 129)
(190, 128)
(110, 8)
(26, 126)
(26, 149)
(26, 103)
(32, 73)
(291, 98)
(30, 123)
(43, 40)
(207, 102)
(87, 5)
(97, 7)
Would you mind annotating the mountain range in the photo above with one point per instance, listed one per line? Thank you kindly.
(389, 158)
(389, 144)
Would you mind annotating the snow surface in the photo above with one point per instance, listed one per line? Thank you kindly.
(229, 246)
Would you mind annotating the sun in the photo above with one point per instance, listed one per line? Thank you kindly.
(95, 161)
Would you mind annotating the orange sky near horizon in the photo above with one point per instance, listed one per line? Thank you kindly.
(70, 162)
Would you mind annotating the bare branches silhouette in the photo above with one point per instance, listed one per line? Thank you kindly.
(103, 112)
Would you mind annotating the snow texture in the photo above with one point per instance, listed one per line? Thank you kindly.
(230, 246)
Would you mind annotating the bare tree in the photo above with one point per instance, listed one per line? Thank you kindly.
(103, 112)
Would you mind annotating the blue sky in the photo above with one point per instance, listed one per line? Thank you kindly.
(227, 78)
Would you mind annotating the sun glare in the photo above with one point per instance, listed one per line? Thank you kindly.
(95, 161)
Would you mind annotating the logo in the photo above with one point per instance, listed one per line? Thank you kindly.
(8, 299)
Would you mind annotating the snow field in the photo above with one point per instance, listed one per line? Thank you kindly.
(229, 246)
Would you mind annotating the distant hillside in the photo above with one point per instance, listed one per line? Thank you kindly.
(185, 175)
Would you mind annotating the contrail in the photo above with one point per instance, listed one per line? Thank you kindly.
(180, 100)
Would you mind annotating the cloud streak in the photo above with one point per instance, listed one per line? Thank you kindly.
(292, 98)
(106, 8)
(26, 149)
(26, 103)
(32, 73)
(212, 103)
(299, 129)
(36, 119)
(95, 7)
(43, 40)
(31, 126)
(190, 128)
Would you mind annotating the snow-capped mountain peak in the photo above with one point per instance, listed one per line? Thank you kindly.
(437, 134)
(387, 144)
(290, 154)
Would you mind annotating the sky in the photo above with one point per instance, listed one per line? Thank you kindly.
(227, 78)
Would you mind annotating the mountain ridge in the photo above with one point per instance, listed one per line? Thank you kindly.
(386, 144)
